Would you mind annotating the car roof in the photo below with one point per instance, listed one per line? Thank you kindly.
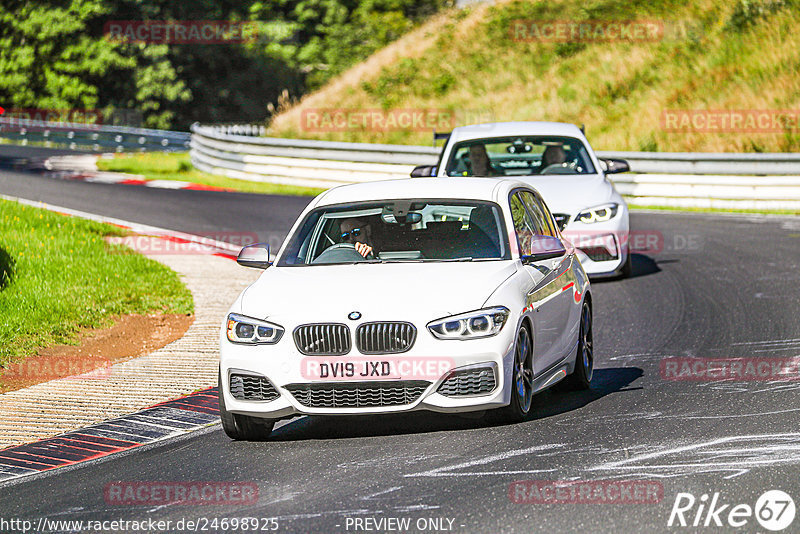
(505, 129)
(445, 188)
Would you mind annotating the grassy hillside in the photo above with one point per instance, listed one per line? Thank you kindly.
(714, 55)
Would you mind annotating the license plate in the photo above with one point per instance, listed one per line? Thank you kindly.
(366, 369)
(388, 368)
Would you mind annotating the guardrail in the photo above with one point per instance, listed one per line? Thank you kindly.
(92, 137)
(726, 181)
(759, 164)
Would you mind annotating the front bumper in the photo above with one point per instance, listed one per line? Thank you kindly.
(602, 247)
(286, 369)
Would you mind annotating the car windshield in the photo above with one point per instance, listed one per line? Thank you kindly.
(519, 156)
(399, 231)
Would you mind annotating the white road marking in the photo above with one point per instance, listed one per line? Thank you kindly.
(712, 456)
(446, 471)
(415, 508)
(769, 342)
(384, 492)
(728, 416)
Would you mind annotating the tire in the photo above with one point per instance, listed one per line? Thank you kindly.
(581, 376)
(521, 380)
(242, 427)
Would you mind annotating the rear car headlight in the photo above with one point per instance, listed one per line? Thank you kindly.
(598, 213)
(242, 329)
(471, 325)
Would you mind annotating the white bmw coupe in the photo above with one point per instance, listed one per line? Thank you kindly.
(419, 294)
(557, 160)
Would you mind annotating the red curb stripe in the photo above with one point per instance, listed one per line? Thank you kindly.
(100, 440)
(79, 446)
(7, 458)
(58, 456)
(84, 446)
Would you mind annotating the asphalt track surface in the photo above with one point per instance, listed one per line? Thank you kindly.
(716, 287)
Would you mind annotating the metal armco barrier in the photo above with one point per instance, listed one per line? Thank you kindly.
(725, 181)
(709, 163)
(239, 152)
(96, 138)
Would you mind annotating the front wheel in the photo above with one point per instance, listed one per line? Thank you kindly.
(242, 427)
(521, 380)
(581, 376)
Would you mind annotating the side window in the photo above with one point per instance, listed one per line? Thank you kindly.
(524, 225)
(540, 212)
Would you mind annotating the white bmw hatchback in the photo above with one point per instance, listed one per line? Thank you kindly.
(556, 159)
(445, 295)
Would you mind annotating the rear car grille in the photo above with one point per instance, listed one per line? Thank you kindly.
(322, 339)
(468, 382)
(358, 394)
(252, 388)
(561, 219)
(385, 338)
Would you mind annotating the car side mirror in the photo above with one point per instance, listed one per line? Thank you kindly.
(256, 256)
(423, 171)
(543, 247)
(613, 166)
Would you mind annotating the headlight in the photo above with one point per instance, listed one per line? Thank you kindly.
(470, 325)
(247, 330)
(599, 213)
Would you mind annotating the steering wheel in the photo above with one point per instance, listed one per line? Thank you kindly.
(341, 253)
(558, 168)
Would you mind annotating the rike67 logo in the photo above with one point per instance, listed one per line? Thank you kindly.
(774, 511)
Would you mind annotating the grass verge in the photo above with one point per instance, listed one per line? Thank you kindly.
(58, 275)
(713, 210)
(176, 166)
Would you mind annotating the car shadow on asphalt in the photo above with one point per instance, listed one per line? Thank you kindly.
(548, 403)
(641, 265)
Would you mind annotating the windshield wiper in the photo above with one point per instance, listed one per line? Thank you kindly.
(421, 260)
(465, 258)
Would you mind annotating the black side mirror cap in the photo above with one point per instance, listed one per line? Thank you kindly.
(423, 171)
(614, 166)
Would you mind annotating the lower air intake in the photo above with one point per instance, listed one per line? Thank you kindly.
(358, 394)
(468, 382)
(252, 388)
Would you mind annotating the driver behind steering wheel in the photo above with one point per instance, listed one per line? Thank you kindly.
(552, 155)
(358, 232)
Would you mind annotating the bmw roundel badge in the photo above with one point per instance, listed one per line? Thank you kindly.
(354, 316)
